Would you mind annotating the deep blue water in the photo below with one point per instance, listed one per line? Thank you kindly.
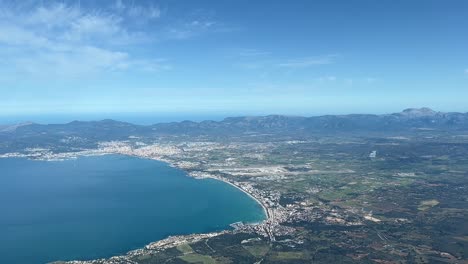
(102, 206)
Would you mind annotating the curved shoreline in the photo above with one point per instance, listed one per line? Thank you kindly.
(265, 209)
(169, 241)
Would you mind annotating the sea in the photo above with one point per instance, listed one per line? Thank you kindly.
(101, 206)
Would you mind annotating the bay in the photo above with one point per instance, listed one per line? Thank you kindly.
(101, 206)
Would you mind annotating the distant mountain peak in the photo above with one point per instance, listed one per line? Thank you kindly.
(419, 112)
(12, 128)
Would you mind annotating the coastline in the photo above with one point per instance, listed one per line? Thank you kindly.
(265, 209)
(171, 164)
(170, 241)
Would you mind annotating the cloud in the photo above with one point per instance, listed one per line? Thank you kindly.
(327, 78)
(250, 65)
(67, 40)
(347, 81)
(13, 35)
(119, 5)
(307, 62)
(55, 15)
(466, 71)
(87, 60)
(185, 30)
(100, 28)
(137, 11)
(251, 59)
(252, 53)
(193, 24)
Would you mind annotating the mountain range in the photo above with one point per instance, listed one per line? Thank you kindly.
(408, 121)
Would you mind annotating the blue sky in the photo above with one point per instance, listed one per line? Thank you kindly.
(232, 57)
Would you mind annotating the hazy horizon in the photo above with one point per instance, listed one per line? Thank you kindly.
(146, 118)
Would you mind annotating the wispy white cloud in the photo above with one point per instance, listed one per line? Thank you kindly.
(13, 35)
(307, 62)
(185, 30)
(328, 78)
(53, 16)
(137, 11)
(87, 60)
(347, 81)
(67, 40)
(144, 12)
(466, 71)
(251, 65)
(251, 59)
(194, 24)
(251, 53)
(119, 5)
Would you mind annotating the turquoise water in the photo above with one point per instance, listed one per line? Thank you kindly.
(96, 207)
